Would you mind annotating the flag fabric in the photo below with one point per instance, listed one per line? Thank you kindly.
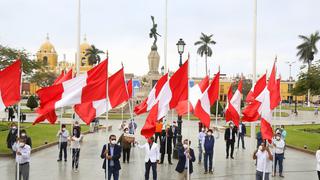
(179, 85)
(10, 84)
(250, 95)
(233, 110)
(150, 101)
(149, 126)
(129, 88)
(195, 94)
(210, 95)
(81, 89)
(250, 112)
(273, 88)
(51, 116)
(117, 94)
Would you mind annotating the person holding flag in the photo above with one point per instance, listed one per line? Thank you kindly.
(63, 135)
(185, 154)
(264, 159)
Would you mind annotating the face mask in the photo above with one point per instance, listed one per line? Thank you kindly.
(14, 127)
(260, 148)
(231, 126)
(127, 131)
(77, 125)
(209, 133)
(21, 144)
(23, 134)
(278, 138)
(185, 146)
(63, 129)
(113, 142)
(202, 129)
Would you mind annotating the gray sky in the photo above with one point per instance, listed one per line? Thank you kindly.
(122, 27)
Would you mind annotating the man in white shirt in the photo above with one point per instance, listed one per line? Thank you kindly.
(23, 152)
(152, 157)
(201, 136)
(278, 144)
(318, 162)
(264, 162)
(63, 135)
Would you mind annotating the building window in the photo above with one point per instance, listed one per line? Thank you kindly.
(290, 87)
(45, 60)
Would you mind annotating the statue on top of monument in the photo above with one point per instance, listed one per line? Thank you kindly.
(154, 34)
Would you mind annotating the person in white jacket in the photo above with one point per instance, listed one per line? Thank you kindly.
(152, 157)
(75, 146)
(318, 162)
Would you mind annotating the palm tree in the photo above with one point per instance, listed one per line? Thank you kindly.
(93, 55)
(306, 51)
(308, 48)
(205, 49)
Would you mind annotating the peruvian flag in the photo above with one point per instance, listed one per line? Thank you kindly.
(274, 89)
(117, 92)
(250, 112)
(179, 85)
(233, 109)
(129, 88)
(10, 84)
(210, 95)
(51, 116)
(150, 101)
(87, 87)
(149, 126)
(195, 94)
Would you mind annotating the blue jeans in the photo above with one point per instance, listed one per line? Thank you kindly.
(278, 159)
(154, 170)
(208, 157)
(114, 172)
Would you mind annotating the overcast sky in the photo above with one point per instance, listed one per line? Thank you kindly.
(122, 27)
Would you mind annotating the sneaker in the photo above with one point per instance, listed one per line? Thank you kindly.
(210, 172)
(76, 170)
(206, 172)
(59, 160)
(232, 157)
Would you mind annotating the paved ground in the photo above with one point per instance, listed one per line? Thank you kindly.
(297, 165)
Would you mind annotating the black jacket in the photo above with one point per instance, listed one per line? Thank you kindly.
(182, 160)
(116, 156)
(243, 129)
(227, 134)
(11, 138)
(166, 143)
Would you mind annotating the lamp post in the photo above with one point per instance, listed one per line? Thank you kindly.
(290, 79)
(180, 46)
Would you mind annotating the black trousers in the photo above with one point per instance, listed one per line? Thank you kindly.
(63, 147)
(241, 136)
(162, 157)
(230, 144)
(319, 175)
(157, 134)
(154, 170)
(75, 158)
(126, 154)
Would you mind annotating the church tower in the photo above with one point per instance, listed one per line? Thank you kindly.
(48, 55)
(84, 64)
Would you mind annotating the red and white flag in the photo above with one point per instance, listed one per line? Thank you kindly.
(196, 93)
(233, 110)
(117, 92)
(273, 88)
(202, 108)
(10, 85)
(51, 116)
(150, 101)
(78, 90)
(129, 88)
(179, 85)
(149, 126)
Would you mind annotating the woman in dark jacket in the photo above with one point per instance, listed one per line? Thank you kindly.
(125, 145)
(166, 144)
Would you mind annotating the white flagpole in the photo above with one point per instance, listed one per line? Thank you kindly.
(107, 111)
(254, 59)
(19, 112)
(165, 36)
(78, 36)
(188, 160)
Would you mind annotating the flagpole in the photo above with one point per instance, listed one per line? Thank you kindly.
(165, 36)
(19, 112)
(254, 66)
(188, 165)
(107, 108)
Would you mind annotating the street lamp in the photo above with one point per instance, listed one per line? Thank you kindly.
(290, 79)
(290, 65)
(180, 46)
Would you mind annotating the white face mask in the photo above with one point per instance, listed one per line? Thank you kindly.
(23, 134)
(209, 133)
(14, 127)
(202, 129)
(63, 129)
(21, 144)
(278, 138)
(113, 142)
(127, 131)
(260, 148)
(185, 146)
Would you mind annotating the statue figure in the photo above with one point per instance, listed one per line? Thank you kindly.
(153, 34)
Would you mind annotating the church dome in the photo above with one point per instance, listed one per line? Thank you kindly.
(84, 46)
(47, 47)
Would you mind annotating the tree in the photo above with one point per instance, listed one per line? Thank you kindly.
(306, 51)
(93, 55)
(9, 55)
(32, 102)
(308, 48)
(43, 78)
(213, 109)
(205, 49)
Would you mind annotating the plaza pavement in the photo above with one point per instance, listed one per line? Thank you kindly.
(297, 165)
